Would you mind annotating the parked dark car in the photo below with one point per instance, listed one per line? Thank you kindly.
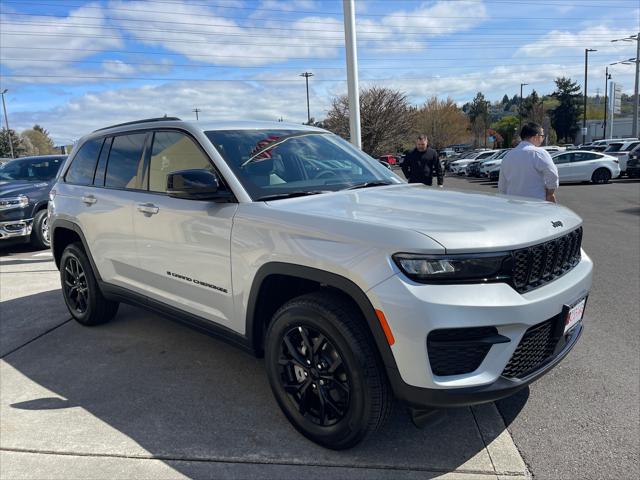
(633, 164)
(24, 194)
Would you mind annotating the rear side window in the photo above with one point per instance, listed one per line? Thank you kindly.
(171, 152)
(124, 161)
(84, 163)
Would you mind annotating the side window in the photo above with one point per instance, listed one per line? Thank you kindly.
(171, 152)
(559, 159)
(588, 156)
(84, 163)
(102, 163)
(124, 160)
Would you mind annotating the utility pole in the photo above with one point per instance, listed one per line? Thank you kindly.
(606, 106)
(349, 10)
(6, 122)
(584, 115)
(196, 111)
(306, 76)
(634, 129)
(520, 107)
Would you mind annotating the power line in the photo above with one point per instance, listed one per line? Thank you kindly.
(450, 45)
(301, 30)
(339, 14)
(272, 57)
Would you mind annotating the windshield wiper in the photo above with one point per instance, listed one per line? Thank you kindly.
(367, 185)
(277, 141)
(297, 193)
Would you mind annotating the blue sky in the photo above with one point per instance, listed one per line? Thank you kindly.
(73, 65)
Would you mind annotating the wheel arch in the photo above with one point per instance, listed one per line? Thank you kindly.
(63, 233)
(262, 302)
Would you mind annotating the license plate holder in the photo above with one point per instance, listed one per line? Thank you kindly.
(574, 313)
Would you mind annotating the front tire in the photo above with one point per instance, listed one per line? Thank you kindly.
(601, 176)
(40, 230)
(324, 372)
(82, 295)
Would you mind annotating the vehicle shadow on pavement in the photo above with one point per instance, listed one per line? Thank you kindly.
(143, 386)
(10, 247)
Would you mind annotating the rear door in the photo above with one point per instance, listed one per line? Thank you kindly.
(184, 246)
(583, 164)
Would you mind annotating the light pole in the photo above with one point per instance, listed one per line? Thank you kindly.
(584, 115)
(520, 107)
(6, 121)
(306, 76)
(636, 37)
(607, 77)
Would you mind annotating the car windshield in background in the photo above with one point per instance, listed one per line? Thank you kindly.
(273, 164)
(39, 169)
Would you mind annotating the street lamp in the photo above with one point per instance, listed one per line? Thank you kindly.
(584, 116)
(306, 76)
(6, 121)
(607, 77)
(520, 106)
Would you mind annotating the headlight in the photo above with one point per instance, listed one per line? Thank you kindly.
(492, 267)
(21, 201)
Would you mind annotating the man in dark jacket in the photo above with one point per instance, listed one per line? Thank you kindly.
(421, 164)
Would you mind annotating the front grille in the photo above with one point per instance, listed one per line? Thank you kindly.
(535, 348)
(454, 351)
(534, 266)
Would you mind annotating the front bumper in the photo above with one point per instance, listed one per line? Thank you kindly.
(414, 310)
(16, 228)
(633, 171)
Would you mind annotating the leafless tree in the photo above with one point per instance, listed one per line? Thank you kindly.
(385, 118)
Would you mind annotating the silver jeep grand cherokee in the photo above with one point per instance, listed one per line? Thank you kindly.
(290, 243)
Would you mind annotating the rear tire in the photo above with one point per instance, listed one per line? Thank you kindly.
(40, 230)
(601, 176)
(82, 295)
(324, 371)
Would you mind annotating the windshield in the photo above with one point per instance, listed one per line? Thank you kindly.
(277, 163)
(37, 169)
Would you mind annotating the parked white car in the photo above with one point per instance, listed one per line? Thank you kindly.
(621, 151)
(585, 166)
(459, 166)
(489, 165)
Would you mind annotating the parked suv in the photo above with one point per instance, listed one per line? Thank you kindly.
(24, 194)
(355, 286)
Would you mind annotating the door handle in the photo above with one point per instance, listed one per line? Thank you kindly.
(148, 208)
(89, 199)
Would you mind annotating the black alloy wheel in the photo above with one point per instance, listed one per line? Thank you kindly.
(76, 291)
(80, 289)
(601, 176)
(314, 376)
(324, 370)
(40, 230)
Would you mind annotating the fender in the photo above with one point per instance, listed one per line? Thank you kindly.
(66, 224)
(255, 331)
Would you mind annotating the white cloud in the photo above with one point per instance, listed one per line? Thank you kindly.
(218, 40)
(68, 41)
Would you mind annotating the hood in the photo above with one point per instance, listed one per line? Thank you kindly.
(459, 221)
(15, 188)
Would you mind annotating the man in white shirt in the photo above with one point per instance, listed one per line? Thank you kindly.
(528, 170)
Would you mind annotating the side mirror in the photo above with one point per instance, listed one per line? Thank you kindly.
(201, 184)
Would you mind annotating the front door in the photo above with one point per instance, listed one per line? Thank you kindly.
(184, 246)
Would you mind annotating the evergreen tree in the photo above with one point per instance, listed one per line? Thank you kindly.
(564, 118)
(5, 150)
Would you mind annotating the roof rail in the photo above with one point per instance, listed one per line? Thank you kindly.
(144, 120)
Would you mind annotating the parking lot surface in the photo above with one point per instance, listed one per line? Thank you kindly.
(145, 397)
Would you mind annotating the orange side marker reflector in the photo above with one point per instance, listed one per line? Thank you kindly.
(385, 327)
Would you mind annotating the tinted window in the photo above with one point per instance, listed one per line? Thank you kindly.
(631, 146)
(173, 151)
(584, 156)
(558, 159)
(614, 147)
(84, 163)
(102, 163)
(124, 159)
(35, 169)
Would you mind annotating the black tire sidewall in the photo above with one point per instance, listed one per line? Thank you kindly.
(37, 239)
(601, 176)
(348, 430)
(73, 251)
